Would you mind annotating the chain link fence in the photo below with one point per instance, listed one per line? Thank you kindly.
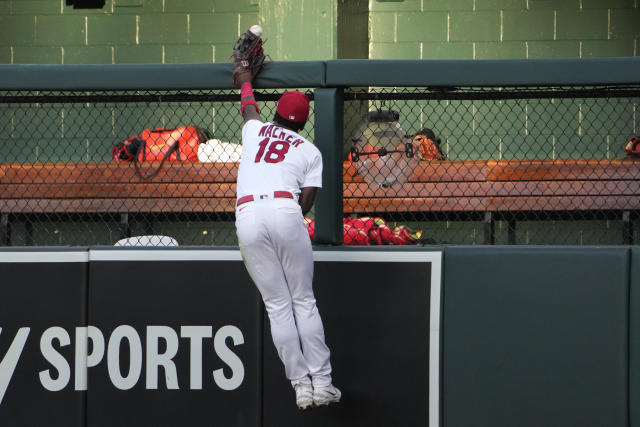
(457, 165)
(61, 185)
(527, 165)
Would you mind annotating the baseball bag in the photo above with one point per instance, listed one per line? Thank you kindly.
(428, 146)
(159, 145)
(632, 147)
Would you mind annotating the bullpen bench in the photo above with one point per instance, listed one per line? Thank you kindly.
(490, 188)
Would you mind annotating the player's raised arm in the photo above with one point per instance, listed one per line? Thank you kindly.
(248, 60)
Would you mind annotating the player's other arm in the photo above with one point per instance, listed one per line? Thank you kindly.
(306, 199)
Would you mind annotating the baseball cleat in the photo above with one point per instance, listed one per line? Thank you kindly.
(323, 396)
(304, 396)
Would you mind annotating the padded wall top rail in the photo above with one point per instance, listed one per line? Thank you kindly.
(485, 73)
(302, 74)
(334, 73)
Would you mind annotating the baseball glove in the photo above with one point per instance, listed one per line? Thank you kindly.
(248, 56)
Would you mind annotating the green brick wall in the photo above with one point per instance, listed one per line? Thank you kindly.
(139, 31)
(503, 29)
(124, 31)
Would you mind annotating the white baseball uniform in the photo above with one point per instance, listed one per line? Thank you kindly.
(275, 244)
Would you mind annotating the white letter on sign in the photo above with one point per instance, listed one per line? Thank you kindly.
(135, 359)
(84, 360)
(55, 358)
(228, 357)
(155, 359)
(196, 334)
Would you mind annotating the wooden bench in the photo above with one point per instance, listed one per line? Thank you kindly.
(448, 187)
(503, 186)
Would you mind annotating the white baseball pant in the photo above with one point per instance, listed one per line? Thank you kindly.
(277, 253)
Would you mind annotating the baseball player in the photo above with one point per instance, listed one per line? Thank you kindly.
(278, 177)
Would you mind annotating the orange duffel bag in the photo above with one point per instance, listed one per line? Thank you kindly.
(159, 145)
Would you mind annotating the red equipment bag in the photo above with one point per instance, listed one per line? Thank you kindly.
(632, 147)
(179, 144)
(158, 145)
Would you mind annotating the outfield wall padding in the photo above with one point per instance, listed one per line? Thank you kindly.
(530, 336)
(535, 336)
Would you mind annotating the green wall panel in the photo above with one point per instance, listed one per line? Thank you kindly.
(353, 30)
(475, 26)
(405, 50)
(164, 28)
(553, 4)
(34, 7)
(299, 30)
(553, 49)
(500, 50)
(500, 4)
(528, 25)
(609, 4)
(526, 147)
(624, 22)
(37, 55)
(222, 52)
(59, 233)
(424, 27)
(17, 30)
(111, 29)
(183, 54)
(60, 30)
(634, 338)
(405, 5)
(383, 27)
(247, 20)
(535, 337)
(236, 5)
(88, 55)
(138, 54)
(213, 28)
(191, 6)
(582, 24)
(462, 50)
(601, 48)
(5, 55)
(586, 232)
(87, 122)
(612, 116)
(20, 149)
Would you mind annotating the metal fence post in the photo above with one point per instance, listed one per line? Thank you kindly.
(328, 111)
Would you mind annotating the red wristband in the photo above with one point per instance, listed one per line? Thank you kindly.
(248, 102)
(246, 97)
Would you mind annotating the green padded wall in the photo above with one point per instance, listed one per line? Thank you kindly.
(535, 337)
(634, 339)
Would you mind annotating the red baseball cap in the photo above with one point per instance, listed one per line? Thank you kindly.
(293, 106)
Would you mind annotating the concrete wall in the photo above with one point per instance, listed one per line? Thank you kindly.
(499, 29)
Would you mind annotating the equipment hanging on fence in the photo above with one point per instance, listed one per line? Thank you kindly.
(632, 147)
(382, 152)
(159, 145)
(427, 145)
(368, 230)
